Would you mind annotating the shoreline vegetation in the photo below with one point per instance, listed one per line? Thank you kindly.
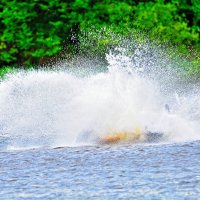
(38, 32)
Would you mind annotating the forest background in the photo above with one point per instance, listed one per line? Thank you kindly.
(35, 32)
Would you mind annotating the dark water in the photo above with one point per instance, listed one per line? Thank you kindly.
(161, 171)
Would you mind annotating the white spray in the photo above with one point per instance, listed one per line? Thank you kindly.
(61, 108)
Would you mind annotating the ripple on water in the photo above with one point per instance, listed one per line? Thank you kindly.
(167, 171)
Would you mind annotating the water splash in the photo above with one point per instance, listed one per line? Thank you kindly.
(70, 108)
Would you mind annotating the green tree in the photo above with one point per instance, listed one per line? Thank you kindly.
(34, 31)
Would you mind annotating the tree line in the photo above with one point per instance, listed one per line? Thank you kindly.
(34, 30)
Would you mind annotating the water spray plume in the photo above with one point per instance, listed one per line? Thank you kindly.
(137, 91)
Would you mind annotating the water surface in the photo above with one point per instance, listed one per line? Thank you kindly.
(142, 171)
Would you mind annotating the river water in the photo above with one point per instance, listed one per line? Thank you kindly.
(52, 123)
(156, 171)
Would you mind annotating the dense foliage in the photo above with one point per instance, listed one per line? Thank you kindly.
(33, 31)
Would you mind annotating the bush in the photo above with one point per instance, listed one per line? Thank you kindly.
(161, 20)
(36, 29)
